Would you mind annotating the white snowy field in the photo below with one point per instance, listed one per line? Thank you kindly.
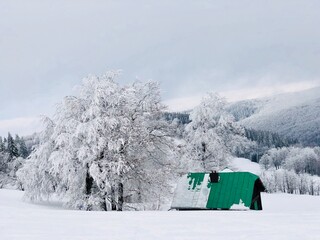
(284, 217)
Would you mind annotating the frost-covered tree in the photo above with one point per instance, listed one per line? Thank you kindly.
(212, 135)
(36, 175)
(3, 161)
(292, 170)
(283, 180)
(274, 158)
(12, 148)
(10, 161)
(105, 147)
(300, 160)
(3, 157)
(21, 146)
(2, 146)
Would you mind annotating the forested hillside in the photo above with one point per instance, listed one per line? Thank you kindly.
(293, 115)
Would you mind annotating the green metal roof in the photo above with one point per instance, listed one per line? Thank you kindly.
(196, 191)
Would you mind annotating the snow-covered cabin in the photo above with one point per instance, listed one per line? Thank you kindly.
(224, 190)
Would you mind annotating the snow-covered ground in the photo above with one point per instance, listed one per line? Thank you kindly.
(284, 217)
(245, 165)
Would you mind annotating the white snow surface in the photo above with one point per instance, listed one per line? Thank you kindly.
(196, 198)
(244, 165)
(284, 217)
(239, 206)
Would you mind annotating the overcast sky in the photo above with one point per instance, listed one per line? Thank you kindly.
(242, 49)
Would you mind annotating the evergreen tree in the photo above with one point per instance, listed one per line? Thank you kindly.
(22, 148)
(2, 147)
(12, 148)
(5, 143)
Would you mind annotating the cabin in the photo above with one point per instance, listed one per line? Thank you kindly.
(223, 190)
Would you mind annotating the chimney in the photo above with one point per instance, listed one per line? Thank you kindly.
(214, 177)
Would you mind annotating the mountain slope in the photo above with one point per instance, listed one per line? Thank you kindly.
(294, 115)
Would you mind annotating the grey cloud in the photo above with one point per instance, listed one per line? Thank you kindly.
(189, 46)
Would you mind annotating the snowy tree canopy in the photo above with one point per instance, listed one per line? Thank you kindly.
(292, 170)
(297, 159)
(212, 135)
(13, 152)
(105, 147)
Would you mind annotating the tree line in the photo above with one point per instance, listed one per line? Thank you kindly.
(292, 170)
(13, 151)
(14, 147)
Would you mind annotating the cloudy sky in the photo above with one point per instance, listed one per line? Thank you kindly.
(241, 49)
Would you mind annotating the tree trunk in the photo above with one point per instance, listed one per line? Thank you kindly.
(203, 159)
(88, 190)
(89, 184)
(139, 193)
(103, 204)
(113, 199)
(120, 196)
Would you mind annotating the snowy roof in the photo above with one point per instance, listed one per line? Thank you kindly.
(195, 191)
